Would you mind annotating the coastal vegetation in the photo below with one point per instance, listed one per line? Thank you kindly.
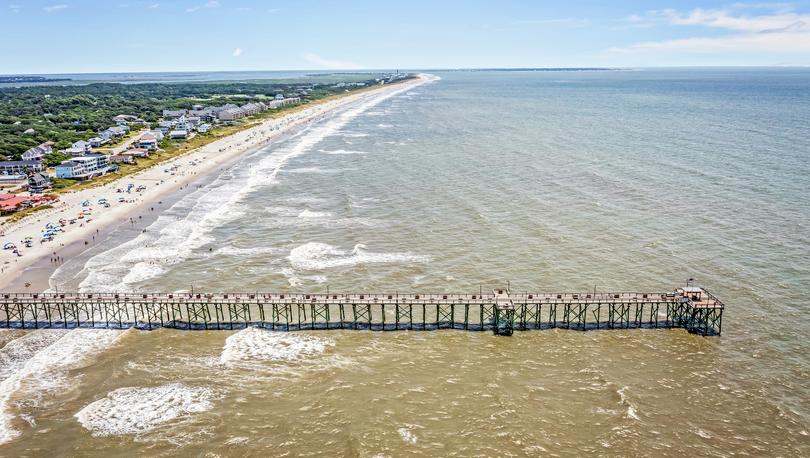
(32, 115)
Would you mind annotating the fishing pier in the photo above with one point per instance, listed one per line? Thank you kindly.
(501, 311)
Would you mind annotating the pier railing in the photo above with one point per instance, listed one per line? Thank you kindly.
(694, 309)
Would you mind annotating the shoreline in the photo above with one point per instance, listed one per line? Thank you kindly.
(188, 167)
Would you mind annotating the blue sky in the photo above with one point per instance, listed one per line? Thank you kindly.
(72, 36)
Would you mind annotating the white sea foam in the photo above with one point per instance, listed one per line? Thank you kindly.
(253, 344)
(631, 409)
(17, 352)
(246, 252)
(353, 134)
(304, 200)
(283, 211)
(52, 354)
(343, 152)
(407, 435)
(313, 214)
(384, 126)
(310, 170)
(138, 410)
(294, 279)
(317, 256)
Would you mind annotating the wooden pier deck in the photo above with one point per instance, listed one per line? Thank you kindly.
(692, 308)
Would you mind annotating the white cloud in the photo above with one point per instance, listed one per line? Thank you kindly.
(775, 31)
(766, 42)
(206, 5)
(14, 8)
(154, 6)
(329, 63)
(727, 19)
(237, 52)
(54, 8)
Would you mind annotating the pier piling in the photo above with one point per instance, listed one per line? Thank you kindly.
(692, 308)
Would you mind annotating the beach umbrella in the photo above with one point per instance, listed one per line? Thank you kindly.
(8, 246)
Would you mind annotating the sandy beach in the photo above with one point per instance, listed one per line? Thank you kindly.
(157, 183)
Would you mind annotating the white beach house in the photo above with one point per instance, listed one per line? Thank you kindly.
(84, 167)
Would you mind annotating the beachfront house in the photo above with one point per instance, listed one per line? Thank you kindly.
(148, 141)
(122, 159)
(138, 152)
(84, 167)
(178, 134)
(20, 167)
(39, 182)
(203, 128)
(38, 153)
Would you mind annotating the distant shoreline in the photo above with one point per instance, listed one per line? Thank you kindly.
(14, 79)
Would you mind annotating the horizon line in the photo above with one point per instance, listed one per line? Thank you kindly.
(450, 69)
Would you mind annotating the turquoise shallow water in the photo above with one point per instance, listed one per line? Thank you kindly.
(548, 181)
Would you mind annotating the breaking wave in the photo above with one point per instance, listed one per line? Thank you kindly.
(137, 410)
(353, 134)
(343, 152)
(39, 362)
(313, 214)
(253, 344)
(318, 256)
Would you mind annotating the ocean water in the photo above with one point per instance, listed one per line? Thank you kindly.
(627, 180)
